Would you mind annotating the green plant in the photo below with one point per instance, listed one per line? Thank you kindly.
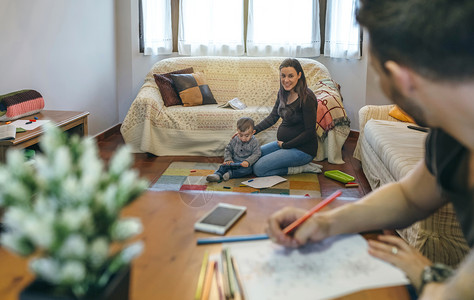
(63, 209)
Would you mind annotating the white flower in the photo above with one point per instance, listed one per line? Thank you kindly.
(46, 268)
(16, 242)
(109, 199)
(98, 251)
(126, 228)
(40, 230)
(15, 217)
(72, 271)
(15, 158)
(73, 219)
(51, 139)
(44, 172)
(74, 247)
(61, 161)
(132, 251)
(121, 160)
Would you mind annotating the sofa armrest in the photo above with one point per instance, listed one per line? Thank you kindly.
(367, 112)
(377, 112)
(145, 108)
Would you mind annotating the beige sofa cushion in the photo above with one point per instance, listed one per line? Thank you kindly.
(398, 147)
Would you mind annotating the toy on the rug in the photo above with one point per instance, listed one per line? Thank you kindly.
(341, 177)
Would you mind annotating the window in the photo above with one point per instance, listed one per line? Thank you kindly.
(155, 27)
(255, 27)
(211, 27)
(342, 34)
(278, 28)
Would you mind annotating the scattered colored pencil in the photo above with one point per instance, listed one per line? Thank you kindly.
(202, 275)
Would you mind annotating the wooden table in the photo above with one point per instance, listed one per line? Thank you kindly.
(70, 121)
(170, 264)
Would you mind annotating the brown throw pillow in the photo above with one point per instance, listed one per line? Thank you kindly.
(165, 84)
(193, 89)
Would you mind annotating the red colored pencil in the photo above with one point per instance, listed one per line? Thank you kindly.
(311, 212)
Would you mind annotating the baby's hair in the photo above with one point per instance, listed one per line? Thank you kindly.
(243, 124)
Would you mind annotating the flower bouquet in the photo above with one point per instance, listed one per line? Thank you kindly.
(63, 209)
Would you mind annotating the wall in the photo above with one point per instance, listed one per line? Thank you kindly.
(65, 50)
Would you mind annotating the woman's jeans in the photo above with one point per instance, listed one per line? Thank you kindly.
(275, 161)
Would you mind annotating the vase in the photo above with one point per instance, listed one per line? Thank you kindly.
(116, 289)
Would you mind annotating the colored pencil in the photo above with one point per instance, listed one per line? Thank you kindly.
(225, 275)
(230, 273)
(208, 282)
(218, 272)
(202, 275)
(311, 212)
(238, 279)
(229, 239)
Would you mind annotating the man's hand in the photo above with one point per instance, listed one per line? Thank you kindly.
(396, 251)
(314, 229)
(280, 143)
(245, 164)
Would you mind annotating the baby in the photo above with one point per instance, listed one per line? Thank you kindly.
(240, 154)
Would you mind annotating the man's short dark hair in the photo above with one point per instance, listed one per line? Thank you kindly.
(435, 38)
(243, 124)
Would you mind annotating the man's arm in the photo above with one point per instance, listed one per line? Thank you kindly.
(395, 205)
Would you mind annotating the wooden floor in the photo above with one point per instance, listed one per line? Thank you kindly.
(151, 167)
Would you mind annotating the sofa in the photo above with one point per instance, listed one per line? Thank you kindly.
(388, 150)
(204, 130)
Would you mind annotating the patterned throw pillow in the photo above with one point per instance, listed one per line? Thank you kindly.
(165, 84)
(193, 89)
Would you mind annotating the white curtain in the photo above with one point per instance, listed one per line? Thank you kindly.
(211, 27)
(342, 30)
(157, 36)
(283, 28)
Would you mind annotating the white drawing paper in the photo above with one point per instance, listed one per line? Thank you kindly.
(332, 268)
(264, 182)
(30, 126)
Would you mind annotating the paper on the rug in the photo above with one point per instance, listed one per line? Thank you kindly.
(334, 267)
(32, 125)
(264, 182)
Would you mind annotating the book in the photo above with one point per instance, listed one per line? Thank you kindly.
(7, 132)
(234, 103)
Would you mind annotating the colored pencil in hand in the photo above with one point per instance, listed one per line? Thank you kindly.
(311, 212)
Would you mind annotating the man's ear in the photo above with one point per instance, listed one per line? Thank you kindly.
(402, 77)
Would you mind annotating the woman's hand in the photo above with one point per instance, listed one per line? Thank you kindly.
(396, 251)
(235, 134)
(280, 143)
(228, 162)
(314, 229)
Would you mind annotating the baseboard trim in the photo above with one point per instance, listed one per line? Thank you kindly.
(108, 132)
(354, 134)
(116, 129)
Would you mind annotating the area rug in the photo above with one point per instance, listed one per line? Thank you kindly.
(191, 176)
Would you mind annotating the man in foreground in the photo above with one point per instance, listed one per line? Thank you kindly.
(424, 54)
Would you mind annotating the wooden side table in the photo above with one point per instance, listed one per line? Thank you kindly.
(74, 122)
